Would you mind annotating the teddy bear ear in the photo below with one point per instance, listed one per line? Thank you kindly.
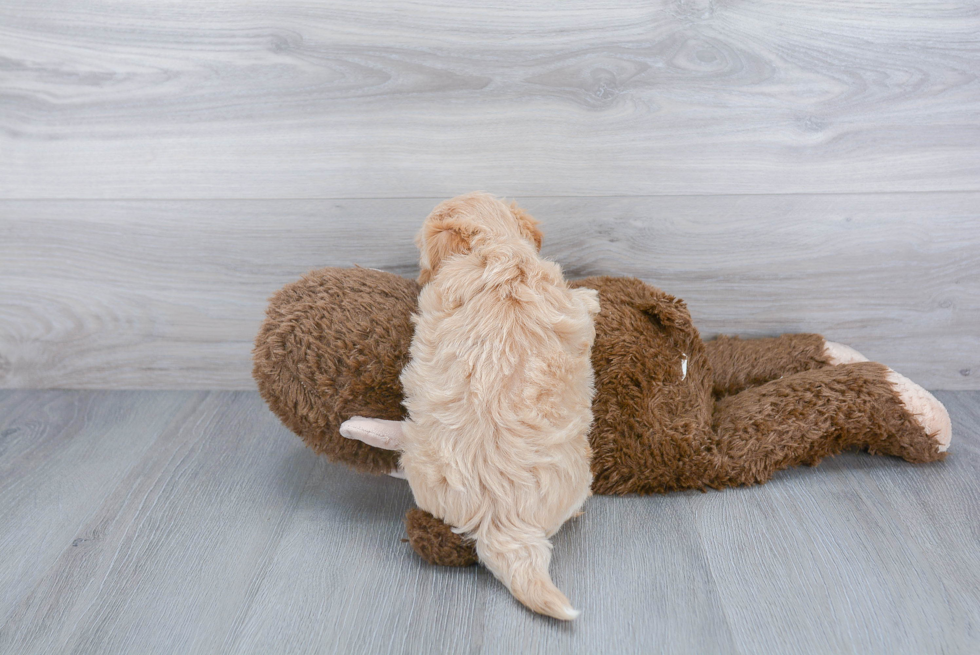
(667, 311)
(528, 225)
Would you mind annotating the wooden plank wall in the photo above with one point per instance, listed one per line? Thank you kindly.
(792, 166)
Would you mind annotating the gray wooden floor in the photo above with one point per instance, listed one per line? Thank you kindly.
(193, 522)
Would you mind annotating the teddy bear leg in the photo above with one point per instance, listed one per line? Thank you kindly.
(436, 543)
(738, 364)
(804, 417)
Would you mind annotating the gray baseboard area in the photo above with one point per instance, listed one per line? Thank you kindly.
(193, 522)
(163, 294)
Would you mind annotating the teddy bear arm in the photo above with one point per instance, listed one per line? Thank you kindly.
(432, 539)
(378, 433)
(739, 364)
(435, 541)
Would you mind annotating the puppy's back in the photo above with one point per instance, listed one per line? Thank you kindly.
(499, 390)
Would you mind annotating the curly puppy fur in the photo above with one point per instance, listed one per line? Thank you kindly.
(499, 392)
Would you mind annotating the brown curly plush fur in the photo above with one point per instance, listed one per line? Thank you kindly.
(804, 417)
(334, 343)
(647, 413)
(738, 364)
(332, 346)
(435, 541)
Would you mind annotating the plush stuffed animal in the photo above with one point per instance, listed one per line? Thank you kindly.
(670, 411)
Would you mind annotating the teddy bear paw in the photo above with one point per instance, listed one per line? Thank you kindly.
(926, 408)
(838, 353)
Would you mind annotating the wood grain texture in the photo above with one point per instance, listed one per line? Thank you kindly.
(170, 294)
(192, 524)
(270, 99)
(219, 533)
(60, 456)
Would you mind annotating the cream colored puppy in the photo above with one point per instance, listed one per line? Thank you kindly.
(499, 391)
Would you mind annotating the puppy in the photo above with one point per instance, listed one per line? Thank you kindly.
(499, 391)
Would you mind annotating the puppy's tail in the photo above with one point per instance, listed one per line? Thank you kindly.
(522, 565)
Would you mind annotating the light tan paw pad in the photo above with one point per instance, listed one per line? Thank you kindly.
(838, 353)
(927, 410)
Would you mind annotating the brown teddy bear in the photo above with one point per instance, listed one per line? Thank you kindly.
(670, 411)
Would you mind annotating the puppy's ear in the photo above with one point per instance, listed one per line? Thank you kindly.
(528, 225)
(439, 240)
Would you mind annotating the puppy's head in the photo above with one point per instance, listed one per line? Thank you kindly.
(457, 226)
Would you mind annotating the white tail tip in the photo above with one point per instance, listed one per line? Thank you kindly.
(570, 614)
(539, 593)
(522, 565)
